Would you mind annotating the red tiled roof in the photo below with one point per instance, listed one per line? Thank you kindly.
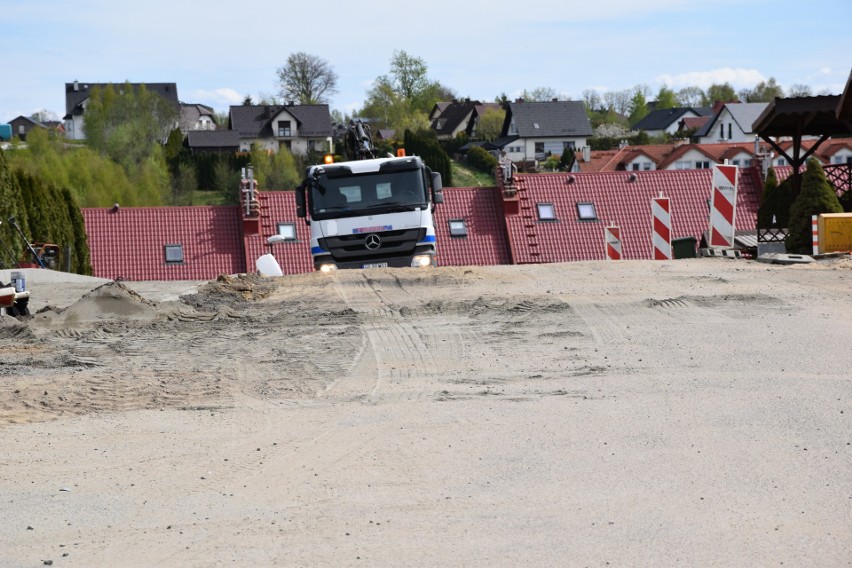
(824, 152)
(294, 257)
(618, 200)
(129, 243)
(663, 155)
(486, 242)
(696, 122)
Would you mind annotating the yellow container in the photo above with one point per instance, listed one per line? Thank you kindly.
(835, 232)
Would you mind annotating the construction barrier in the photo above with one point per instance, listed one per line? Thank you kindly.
(661, 223)
(612, 238)
(723, 206)
(815, 233)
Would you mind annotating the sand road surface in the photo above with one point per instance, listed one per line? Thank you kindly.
(687, 413)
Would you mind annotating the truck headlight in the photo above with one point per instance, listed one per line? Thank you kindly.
(421, 261)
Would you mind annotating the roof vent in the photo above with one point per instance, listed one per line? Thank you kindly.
(570, 179)
(632, 177)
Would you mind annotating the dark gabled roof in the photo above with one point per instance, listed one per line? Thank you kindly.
(453, 115)
(77, 92)
(213, 139)
(663, 118)
(504, 141)
(255, 121)
(548, 119)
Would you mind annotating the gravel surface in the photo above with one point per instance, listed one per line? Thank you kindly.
(686, 413)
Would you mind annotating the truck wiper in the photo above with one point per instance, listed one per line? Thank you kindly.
(394, 204)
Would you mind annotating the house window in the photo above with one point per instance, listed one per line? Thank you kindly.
(729, 129)
(546, 212)
(539, 147)
(635, 166)
(683, 165)
(535, 125)
(702, 165)
(458, 228)
(174, 254)
(586, 211)
(284, 128)
(567, 144)
(646, 166)
(287, 230)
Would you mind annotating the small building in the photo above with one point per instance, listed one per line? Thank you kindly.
(22, 125)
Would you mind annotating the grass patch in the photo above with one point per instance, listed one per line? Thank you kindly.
(464, 176)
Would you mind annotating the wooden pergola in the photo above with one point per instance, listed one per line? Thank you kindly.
(795, 118)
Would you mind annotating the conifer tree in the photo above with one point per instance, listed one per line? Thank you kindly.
(817, 196)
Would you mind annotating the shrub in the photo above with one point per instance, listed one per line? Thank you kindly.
(816, 196)
(479, 158)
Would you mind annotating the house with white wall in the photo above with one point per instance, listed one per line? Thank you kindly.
(536, 130)
(732, 123)
(298, 128)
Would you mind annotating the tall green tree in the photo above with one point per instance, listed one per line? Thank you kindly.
(128, 125)
(490, 124)
(425, 144)
(666, 98)
(307, 78)
(763, 92)
(11, 205)
(638, 107)
(691, 96)
(724, 93)
(816, 196)
(408, 75)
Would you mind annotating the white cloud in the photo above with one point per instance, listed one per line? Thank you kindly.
(219, 96)
(703, 79)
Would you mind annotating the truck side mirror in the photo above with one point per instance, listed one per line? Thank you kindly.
(300, 201)
(437, 188)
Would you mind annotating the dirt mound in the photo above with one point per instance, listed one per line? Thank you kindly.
(231, 291)
(110, 301)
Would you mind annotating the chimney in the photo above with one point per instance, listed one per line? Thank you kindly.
(76, 85)
(587, 154)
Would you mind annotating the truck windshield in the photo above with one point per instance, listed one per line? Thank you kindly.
(371, 193)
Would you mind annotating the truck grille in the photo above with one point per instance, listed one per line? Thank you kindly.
(350, 248)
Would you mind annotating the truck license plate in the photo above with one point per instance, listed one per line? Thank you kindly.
(376, 265)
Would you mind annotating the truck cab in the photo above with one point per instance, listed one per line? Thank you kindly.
(371, 213)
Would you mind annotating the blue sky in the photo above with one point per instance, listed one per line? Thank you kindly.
(218, 52)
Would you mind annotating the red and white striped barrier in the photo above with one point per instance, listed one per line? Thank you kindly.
(612, 238)
(661, 222)
(815, 233)
(723, 206)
